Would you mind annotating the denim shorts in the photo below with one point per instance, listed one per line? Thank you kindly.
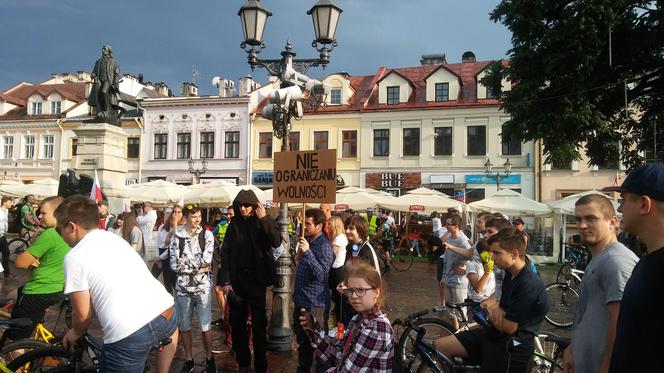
(201, 303)
(129, 354)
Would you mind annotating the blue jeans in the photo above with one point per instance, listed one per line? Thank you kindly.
(129, 354)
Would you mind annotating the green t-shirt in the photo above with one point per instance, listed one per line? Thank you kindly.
(27, 209)
(49, 277)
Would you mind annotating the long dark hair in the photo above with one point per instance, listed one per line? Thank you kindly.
(129, 224)
(167, 220)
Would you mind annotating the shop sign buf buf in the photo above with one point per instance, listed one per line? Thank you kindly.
(305, 176)
(385, 180)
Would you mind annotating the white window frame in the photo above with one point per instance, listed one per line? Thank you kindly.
(47, 146)
(56, 107)
(36, 108)
(333, 91)
(29, 146)
(8, 147)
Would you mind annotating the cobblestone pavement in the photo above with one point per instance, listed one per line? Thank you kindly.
(406, 292)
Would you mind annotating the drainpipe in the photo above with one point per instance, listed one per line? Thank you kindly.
(58, 122)
(139, 123)
(539, 171)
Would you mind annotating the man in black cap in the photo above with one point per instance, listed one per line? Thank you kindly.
(637, 347)
(106, 219)
(247, 268)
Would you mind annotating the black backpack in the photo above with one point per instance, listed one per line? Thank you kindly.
(201, 242)
(15, 219)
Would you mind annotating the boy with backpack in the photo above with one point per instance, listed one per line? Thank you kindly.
(191, 258)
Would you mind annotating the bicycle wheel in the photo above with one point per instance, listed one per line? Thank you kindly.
(402, 259)
(382, 266)
(562, 304)
(12, 350)
(42, 360)
(434, 328)
(16, 247)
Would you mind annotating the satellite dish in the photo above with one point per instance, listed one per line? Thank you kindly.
(216, 81)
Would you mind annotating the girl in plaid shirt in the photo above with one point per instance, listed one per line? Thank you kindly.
(368, 343)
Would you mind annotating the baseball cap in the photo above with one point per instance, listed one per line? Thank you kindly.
(644, 180)
(518, 221)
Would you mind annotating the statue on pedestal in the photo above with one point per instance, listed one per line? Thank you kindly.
(105, 93)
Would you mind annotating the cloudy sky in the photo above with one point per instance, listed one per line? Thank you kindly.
(163, 39)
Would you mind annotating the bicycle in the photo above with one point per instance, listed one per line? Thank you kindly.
(61, 360)
(18, 245)
(9, 324)
(564, 293)
(412, 347)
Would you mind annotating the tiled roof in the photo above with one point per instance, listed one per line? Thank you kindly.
(365, 97)
(71, 91)
(12, 100)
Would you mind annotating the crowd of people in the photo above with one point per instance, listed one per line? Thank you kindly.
(78, 248)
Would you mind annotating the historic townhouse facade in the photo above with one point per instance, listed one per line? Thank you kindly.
(213, 129)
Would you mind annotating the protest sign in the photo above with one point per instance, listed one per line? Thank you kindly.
(305, 176)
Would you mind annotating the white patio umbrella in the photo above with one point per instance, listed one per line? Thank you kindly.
(423, 200)
(217, 194)
(358, 200)
(159, 192)
(566, 205)
(42, 188)
(512, 203)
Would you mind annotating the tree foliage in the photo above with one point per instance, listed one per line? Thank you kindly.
(570, 64)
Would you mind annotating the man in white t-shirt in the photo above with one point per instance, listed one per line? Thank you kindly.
(146, 222)
(134, 310)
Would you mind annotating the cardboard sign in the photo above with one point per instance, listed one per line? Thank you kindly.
(305, 176)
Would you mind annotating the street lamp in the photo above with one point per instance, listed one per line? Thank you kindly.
(197, 172)
(487, 170)
(286, 104)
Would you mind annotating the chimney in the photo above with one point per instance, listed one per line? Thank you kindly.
(140, 78)
(84, 76)
(189, 90)
(468, 57)
(247, 85)
(433, 59)
(162, 88)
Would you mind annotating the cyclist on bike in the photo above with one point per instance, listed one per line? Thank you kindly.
(507, 344)
(601, 288)
(28, 220)
(45, 260)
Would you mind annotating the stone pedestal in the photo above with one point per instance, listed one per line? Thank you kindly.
(103, 147)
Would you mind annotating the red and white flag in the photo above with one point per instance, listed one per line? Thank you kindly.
(95, 192)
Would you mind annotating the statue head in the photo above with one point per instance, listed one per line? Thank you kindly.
(106, 50)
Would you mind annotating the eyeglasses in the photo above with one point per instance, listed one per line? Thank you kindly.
(360, 292)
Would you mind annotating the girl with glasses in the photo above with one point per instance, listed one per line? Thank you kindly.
(368, 343)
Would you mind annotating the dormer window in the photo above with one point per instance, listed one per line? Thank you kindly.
(335, 96)
(442, 92)
(56, 107)
(490, 93)
(393, 95)
(36, 108)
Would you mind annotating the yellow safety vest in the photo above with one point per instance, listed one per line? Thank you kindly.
(221, 231)
(372, 224)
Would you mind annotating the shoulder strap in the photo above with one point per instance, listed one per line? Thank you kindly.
(180, 245)
(201, 239)
(373, 254)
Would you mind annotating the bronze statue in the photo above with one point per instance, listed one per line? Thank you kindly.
(105, 93)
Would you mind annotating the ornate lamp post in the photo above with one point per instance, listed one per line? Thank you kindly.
(197, 172)
(285, 105)
(487, 170)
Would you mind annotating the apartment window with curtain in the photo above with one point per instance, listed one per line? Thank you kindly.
(232, 144)
(56, 107)
(183, 145)
(294, 141)
(28, 147)
(160, 145)
(442, 92)
(133, 147)
(320, 140)
(476, 140)
(510, 145)
(411, 141)
(207, 145)
(381, 140)
(47, 146)
(349, 144)
(442, 141)
(265, 145)
(7, 147)
(393, 95)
